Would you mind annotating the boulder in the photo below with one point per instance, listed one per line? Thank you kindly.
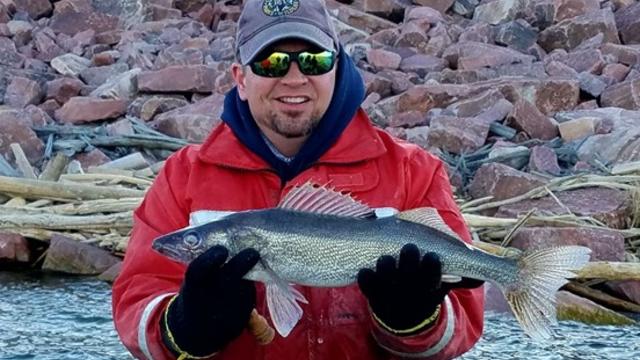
(14, 248)
(73, 257)
(569, 33)
(610, 206)
(501, 182)
(81, 109)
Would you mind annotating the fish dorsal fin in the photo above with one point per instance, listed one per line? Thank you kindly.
(324, 200)
(429, 217)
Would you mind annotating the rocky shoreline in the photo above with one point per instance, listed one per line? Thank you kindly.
(533, 104)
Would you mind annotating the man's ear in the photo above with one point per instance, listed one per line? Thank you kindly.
(239, 77)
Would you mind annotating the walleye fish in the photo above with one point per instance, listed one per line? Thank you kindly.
(320, 237)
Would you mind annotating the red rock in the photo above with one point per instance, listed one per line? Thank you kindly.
(198, 78)
(559, 69)
(158, 13)
(35, 8)
(408, 119)
(457, 135)
(630, 289)
(422, 64)
(610, 206)
(360, 19)
(526, 117)
(616, 72)
(49, 106)
(605, 245)
(577, 128)
(413, 34)
(9, 54)
(570, 33)
(499, 11)
(105, 58)
(94, 157)
(46, 46)
(22, 92)
(418, 135)
(73, 257)
(543, 159)
(625, 95)
(628, 22)
(440, 5)
(473, 55)
(590, 61)
(71, 21)
(62, 89)
(501, 182)
(425, 97)
(192, 122)
(375, 83)
(382, 59)
(14, 248)
(475, 105)
(158, 105)
(36, 116)
(625, 54)
(120, 127)
(549, 95)
(566, 9)
(15, 128)
(111, 273)
(81, 109)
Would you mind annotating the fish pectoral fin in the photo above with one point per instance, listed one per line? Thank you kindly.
(282, 302)
(451, 278)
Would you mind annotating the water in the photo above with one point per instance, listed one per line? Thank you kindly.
(47, 318)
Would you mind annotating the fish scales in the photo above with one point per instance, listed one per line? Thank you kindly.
(324, 250)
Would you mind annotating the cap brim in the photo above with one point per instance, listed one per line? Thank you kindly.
(281, 31)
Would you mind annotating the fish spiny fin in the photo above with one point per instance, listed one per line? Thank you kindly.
(282, 302)
(324, 200)
(429, 217)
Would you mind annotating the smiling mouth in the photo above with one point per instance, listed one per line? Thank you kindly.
(293, 100)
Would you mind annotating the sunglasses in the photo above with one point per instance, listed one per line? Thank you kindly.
(277, 63)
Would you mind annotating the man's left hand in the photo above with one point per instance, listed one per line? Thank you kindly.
(405, 298)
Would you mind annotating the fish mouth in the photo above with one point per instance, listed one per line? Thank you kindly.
(173, 252)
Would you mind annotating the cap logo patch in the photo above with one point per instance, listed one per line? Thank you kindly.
(280, 7)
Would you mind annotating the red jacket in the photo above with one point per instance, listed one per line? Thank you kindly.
(222, 174)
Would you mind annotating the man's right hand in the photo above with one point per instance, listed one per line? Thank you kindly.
(214, 303)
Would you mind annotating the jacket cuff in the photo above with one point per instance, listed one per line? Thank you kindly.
(426, 343)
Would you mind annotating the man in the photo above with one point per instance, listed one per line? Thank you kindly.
(293, 117)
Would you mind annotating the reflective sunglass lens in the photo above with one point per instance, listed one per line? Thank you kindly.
(316, 64)
(274, 65)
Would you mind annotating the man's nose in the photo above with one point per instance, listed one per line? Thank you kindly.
(294, 76)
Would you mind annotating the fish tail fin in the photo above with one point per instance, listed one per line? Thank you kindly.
(540, 275)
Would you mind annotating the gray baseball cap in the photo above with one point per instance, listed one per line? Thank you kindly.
(263, 22)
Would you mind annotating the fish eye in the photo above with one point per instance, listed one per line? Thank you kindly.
(192, 240)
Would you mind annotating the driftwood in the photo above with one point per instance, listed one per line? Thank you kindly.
(55, 167)
(122, 220)
(22, 161)
(37, 189)
(131, 161)
(602, 298)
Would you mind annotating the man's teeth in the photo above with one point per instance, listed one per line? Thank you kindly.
(293, 100)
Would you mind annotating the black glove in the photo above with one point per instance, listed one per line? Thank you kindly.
(214, 303)
(403, 297)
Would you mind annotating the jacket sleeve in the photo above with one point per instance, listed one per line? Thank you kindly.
(459, 325)
(147, 279)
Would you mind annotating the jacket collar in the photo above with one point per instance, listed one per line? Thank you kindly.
(358, 142)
